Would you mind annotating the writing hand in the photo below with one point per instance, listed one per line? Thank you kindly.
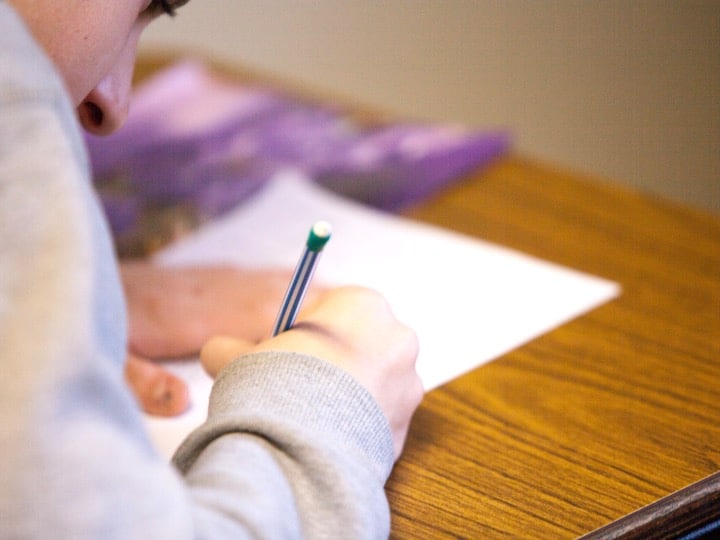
(353, 328)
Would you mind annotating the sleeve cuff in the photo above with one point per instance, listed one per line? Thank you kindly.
(277, 390)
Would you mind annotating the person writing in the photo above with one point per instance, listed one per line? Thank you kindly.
(303, 428)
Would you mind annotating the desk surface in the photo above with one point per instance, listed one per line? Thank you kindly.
(598, 418)
(606, 414)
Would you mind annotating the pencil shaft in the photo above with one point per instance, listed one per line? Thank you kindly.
(296, 291)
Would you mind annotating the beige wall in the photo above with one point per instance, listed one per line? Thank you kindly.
(625, 89)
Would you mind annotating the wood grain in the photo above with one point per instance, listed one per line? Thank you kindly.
(598, 418)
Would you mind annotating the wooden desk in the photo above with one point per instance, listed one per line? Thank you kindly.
(596, 419)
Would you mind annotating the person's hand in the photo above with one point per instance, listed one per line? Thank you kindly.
(158, 391)
(355, 329)
(173, 311)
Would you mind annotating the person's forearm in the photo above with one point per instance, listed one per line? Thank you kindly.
(291, 436)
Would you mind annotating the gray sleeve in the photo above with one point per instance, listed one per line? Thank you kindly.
(293, 447)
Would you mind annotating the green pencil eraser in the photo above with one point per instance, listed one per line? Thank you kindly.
(319, 235)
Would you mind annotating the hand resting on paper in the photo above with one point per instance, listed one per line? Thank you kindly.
(174, 311)
(353, 328)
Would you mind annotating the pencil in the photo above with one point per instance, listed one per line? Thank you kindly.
(318, 237)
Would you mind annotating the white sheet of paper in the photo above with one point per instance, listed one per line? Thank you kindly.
(468, 300)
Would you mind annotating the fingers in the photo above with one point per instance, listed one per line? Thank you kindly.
(355, 328)
(159, 392)
(221, 350)
(351, 327)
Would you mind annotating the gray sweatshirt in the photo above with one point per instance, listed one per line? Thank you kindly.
(293, 447)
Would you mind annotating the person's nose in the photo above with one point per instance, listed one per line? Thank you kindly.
(105, 108)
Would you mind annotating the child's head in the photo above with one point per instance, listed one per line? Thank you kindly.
(93, 44)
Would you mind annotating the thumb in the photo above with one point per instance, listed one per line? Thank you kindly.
(220, 351)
